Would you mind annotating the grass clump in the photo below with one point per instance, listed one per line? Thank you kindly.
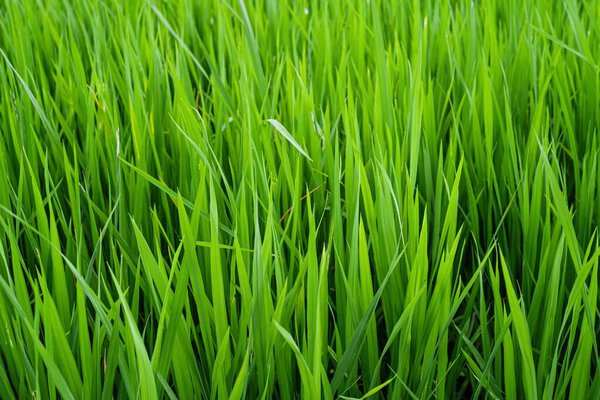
(283, 199)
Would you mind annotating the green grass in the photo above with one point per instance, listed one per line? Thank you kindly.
(282, 199)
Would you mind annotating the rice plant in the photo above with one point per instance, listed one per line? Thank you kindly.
(284, 199)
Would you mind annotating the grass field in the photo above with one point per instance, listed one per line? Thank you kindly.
(299, 199)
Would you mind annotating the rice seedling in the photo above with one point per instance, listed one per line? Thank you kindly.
(299, 199)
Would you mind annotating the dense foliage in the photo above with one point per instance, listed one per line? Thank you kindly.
(283, 199)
